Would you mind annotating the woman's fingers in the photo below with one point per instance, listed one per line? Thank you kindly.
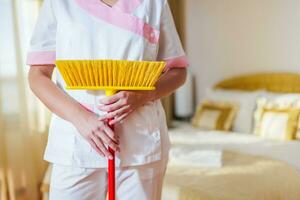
(107, 140)
(112, 107)
(114, 98)
(118, 112)
(94, 146)
(101, 147)
(111, 134)
(119, 118)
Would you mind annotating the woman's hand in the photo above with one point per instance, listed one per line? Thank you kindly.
(97, 133)
(95, 130)
(120, 105)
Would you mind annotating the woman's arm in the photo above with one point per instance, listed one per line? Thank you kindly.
(168, 83)
(40, 83)
(123, 103)
(95, 131)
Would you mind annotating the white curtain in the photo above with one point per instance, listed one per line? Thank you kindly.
(23, 119)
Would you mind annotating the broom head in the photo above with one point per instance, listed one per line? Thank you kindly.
(110, 74)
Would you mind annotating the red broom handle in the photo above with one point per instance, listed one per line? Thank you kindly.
(111, 174)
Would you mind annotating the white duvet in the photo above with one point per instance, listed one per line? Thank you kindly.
(251, 168)
(191, 139)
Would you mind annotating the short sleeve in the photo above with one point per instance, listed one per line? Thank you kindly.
(42, 49)
(170, 47)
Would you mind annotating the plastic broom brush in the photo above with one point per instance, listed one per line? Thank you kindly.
(111, 76)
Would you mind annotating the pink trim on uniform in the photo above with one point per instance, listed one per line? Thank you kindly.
(120, 18)
(126, 6)
(176, 62)
(41, 58)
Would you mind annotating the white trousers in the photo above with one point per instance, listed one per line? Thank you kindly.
(142, 182)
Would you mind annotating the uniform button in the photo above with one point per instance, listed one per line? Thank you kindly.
(156, 135)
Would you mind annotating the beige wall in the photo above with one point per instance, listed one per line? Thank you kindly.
(231, 37)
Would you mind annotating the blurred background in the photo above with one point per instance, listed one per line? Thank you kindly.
(23, 120)
(222, 38)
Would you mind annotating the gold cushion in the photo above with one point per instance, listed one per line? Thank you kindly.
(298, 132)
(278, 121)
(214, 115)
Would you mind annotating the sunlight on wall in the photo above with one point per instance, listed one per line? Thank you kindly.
(225, 38)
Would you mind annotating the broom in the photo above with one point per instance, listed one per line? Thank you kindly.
(111, 76)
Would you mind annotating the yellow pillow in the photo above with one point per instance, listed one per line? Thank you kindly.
(276, 121)
(214, 116)
(298, 132)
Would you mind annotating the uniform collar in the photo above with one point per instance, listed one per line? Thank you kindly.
(121, 15)
(127, 6)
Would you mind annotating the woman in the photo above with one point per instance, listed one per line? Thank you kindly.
(79, 135)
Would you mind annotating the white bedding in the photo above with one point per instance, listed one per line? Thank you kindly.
(252, 168)
(190, 138)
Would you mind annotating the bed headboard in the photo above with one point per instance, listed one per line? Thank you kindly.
(273, 82)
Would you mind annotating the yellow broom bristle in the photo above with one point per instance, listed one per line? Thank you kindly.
(118, 74)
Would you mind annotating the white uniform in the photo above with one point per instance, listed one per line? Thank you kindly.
(89, 29)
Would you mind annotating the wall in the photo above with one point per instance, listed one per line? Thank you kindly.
(224, 38)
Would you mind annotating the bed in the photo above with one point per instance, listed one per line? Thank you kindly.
(252, 167)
